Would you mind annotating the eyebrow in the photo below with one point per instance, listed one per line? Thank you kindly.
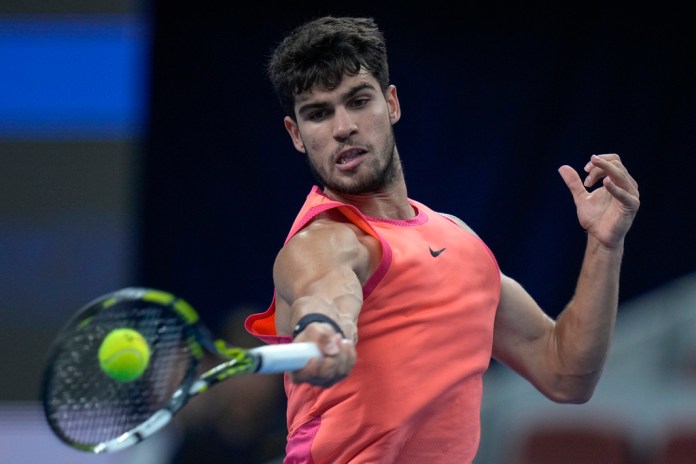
(350, 94)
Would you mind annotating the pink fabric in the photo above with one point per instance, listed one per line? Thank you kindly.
(415, 395)
(298, 451)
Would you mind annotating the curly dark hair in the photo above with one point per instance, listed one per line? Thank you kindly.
(321, 52)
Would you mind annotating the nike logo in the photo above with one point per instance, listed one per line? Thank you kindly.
(434, 253)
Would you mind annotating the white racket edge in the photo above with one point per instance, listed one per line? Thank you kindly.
(285, 357)
(155, 423)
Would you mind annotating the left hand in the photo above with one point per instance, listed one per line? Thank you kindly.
(606, 213)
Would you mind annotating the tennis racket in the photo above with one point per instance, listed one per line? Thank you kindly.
(92, 412)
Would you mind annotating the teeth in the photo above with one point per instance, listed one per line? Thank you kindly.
(349, 156)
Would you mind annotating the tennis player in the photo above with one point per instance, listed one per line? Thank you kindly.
(408, 305)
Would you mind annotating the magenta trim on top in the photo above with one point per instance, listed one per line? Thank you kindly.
(420, 218)
(381, 271)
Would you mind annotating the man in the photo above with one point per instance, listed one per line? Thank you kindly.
(408, 305)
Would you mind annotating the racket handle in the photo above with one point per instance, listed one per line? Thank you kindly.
(285, 357)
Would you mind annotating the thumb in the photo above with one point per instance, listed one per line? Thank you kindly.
(572, 180)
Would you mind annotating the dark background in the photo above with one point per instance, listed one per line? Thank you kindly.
(494, 100)
(191, 184)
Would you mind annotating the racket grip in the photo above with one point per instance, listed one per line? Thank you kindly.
(285, 357)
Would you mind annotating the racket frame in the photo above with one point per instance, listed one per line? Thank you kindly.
(267, 359)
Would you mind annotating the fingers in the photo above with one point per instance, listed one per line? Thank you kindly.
(614, 176)
(610, 165)
(630, 200)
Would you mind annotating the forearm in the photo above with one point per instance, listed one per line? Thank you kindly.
(321, 270)
(335, 338)
(564, 358)
(343, 310)
(584, 329)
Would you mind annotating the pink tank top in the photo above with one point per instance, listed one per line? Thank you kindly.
(425, 339)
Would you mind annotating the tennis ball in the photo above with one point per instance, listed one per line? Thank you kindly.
(124, 355)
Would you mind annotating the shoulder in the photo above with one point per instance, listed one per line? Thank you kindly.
(459, 222)
(328, 242)
(326, 229)
(322, 239)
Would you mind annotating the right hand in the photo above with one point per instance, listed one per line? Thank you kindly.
(338, 356)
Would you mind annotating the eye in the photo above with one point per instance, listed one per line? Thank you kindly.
(359, 102)
(318, 115)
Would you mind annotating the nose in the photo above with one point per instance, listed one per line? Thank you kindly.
(344, 126)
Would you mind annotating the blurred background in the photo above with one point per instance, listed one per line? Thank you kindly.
(141, 144)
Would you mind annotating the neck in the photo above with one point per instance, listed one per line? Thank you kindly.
(389, 202)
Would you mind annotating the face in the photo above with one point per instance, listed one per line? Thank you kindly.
(347, 134)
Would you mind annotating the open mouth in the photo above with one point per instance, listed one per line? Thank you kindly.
(348, 156)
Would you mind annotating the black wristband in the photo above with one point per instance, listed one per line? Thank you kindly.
(315, 317)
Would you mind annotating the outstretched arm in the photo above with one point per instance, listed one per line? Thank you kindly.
(564, 358)
(321, 270)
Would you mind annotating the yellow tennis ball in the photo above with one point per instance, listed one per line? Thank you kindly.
(124, 354)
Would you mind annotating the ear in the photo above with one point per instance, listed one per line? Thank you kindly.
(393, 104)
(294, 131)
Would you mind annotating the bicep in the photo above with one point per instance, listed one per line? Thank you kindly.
(319, 270)
(523, 336)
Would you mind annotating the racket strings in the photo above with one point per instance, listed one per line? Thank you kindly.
(86, 406)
